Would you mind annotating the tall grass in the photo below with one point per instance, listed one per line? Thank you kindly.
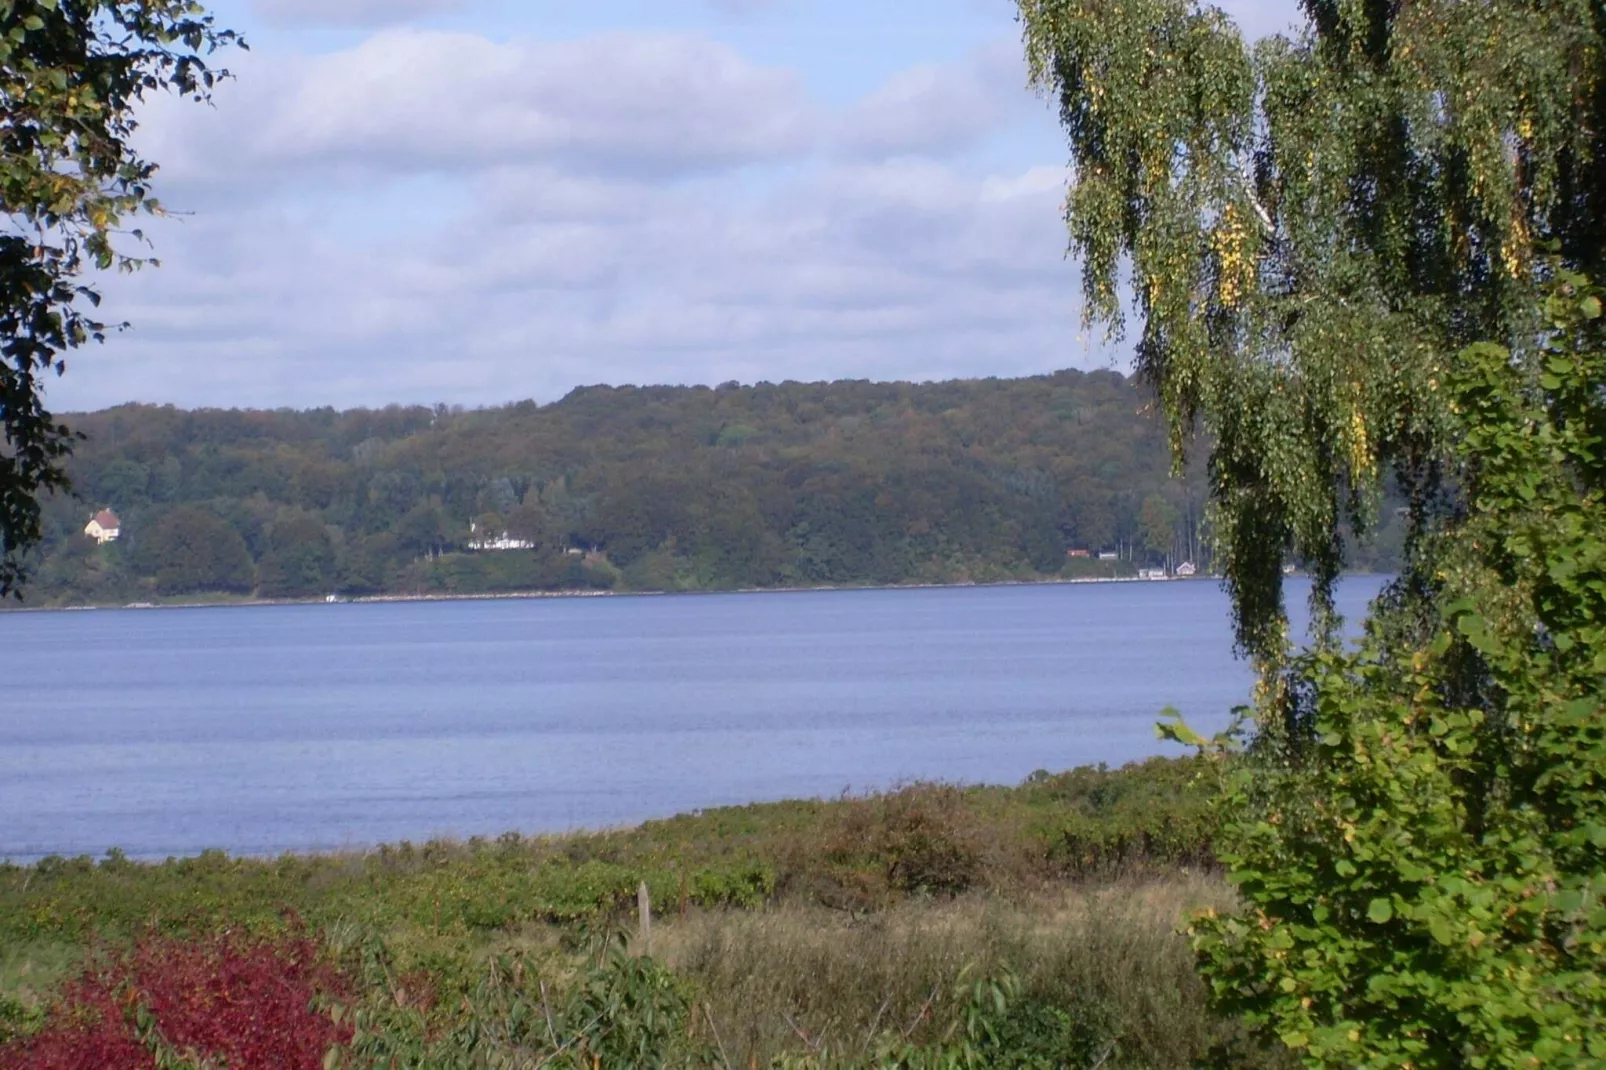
(1102, 973)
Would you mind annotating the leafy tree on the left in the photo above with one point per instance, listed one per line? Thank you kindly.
(72, 73)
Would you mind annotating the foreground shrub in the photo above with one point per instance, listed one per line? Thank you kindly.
(1423, 847)
(224, 1001)
(620, 1010)
(1155, 813)
(923, 840)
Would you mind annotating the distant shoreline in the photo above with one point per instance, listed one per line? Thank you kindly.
(497, 596)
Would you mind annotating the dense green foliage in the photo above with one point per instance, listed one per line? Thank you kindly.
(71, 74)
(1366, 249)
(933, 926)
(1427, 884)
(654, 488)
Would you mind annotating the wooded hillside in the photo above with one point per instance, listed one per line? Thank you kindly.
(643, 488)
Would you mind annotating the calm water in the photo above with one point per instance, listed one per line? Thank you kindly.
(267, 729)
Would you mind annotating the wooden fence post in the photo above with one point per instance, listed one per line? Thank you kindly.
(644, 909)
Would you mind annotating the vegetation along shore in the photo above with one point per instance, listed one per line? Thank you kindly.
(1035, 926)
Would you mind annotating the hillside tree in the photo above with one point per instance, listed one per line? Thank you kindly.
(193, 551)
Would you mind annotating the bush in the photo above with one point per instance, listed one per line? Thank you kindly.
(922, 839)
(1421, 843)
(746, 886)
(620, 1010)
(251, 1006)
(1153, 813)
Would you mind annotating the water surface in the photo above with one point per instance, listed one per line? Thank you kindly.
(275, 728)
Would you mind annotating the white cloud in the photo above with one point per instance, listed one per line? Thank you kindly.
(935, 110)
(409, 100)
(351, 12)
(432, 216)
(900, 270)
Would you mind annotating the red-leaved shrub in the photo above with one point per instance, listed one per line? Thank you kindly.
(245, 1003)
(87, 1031)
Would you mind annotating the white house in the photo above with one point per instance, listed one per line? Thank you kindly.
(104, 527)
(1187, 569)
(486, 541)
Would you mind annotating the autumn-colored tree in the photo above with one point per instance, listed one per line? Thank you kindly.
(191, 550)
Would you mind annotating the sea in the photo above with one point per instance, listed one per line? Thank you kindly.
(260, 730)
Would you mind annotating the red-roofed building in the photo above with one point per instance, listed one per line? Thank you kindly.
(104, 527)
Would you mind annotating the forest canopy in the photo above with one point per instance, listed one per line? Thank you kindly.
(642, 488)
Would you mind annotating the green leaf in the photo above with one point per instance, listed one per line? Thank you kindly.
(1175, 730)
(1441, 931)
(1380, 911)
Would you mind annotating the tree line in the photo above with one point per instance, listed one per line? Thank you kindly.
(639, 488)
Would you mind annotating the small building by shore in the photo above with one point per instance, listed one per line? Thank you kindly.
(104, 527)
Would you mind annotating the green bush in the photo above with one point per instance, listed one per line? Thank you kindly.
(573, 893)
(746, 886)
(619, 1010)
(1421, 842)
(1158, 812)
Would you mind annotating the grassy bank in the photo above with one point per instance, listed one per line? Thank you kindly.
(1024, 926)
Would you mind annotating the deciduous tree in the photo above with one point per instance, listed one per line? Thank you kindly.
(1313, 225)
(192, 550)
(1366, 248)
(72, 73)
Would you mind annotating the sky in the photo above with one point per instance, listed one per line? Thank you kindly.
(480, 201)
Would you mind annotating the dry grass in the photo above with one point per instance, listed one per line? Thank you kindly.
(797, 976)
(28, 976)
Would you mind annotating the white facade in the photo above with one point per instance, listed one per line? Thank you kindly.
(503, 541)
(104, 527)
